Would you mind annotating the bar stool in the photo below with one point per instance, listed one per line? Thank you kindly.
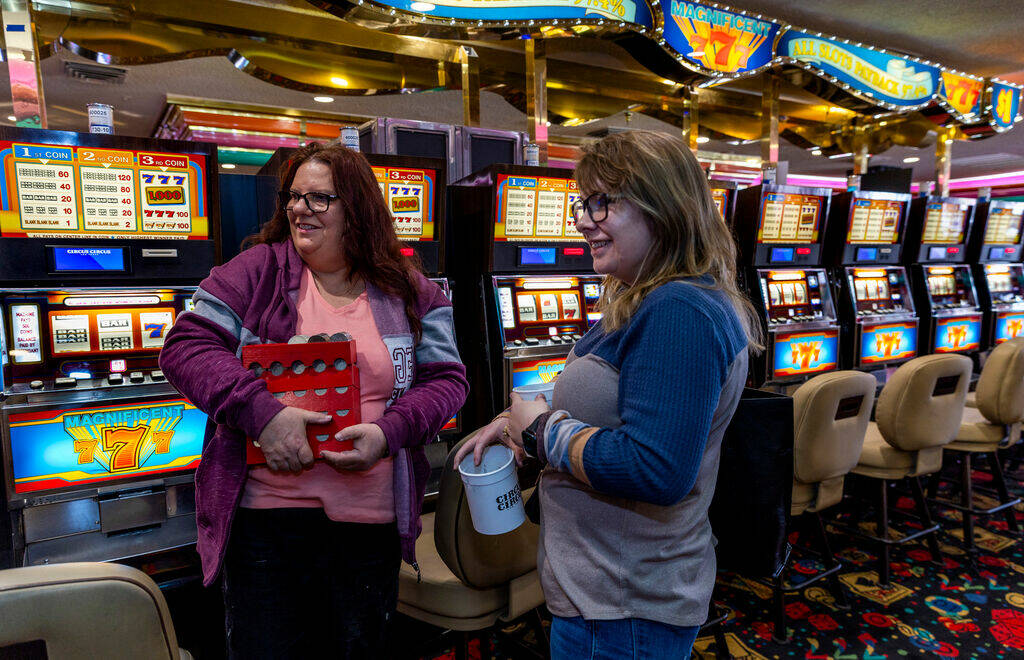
(918, 412)
(993, 423)
(830, 416)
(469, 581)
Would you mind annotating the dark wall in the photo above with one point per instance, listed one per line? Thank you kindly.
(246, 201)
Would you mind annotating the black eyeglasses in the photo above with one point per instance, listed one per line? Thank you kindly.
(596, 206)
(316, 202)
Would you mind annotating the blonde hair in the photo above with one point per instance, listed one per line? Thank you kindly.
(663, 178)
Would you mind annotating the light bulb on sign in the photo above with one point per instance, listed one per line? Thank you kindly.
(323, 99)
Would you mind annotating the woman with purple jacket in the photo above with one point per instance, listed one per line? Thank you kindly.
(310, 550)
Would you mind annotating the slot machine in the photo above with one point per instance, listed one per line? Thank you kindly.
(414, 190)
(527, 291)
(941, 281)
(103, 240)
(994, 250)
(781, 230)
(409, 137)
(723, 194)
(476, 148)
(876, 308)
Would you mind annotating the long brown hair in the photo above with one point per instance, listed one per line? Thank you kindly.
(371, 249)
(663, 178)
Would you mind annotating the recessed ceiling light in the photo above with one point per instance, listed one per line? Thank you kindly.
(421, 6)
(815, 152)
(703, 139)
(227, 166)
(911, 159)
(323, 99)
(339, 81)
(11, 118)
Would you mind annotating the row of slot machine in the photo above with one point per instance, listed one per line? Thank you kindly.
(867, 280)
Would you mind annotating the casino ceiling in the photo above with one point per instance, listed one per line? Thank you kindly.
(247, 54)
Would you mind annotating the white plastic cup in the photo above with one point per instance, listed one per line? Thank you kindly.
(530, 392)
(492, 488)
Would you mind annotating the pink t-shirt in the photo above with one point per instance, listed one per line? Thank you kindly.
(364, 497)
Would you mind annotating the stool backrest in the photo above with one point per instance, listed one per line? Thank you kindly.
(478, 560)
(922, 404)
(1000, 391)
(830, 417)
(86, 610)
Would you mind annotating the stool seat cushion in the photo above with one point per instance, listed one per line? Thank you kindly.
(972, 400)
(440, 598)
(880, 459)
(977, 434)
(803, 497)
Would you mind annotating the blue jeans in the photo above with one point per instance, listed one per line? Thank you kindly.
(620, 639)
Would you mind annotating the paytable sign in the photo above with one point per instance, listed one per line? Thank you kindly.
(572, 195)
(107, 182)
(409, 195)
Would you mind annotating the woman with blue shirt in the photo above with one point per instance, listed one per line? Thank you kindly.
(631, 443)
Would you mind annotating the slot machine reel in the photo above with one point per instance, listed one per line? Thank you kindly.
(315, 373)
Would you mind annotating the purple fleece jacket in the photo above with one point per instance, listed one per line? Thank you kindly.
(251, 300)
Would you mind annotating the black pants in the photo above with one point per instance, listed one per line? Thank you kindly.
(299, 585)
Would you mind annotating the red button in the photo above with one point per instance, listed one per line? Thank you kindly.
(407, 252)
(952, 250)
(803, 250)
(1010, 250)
(573, 252)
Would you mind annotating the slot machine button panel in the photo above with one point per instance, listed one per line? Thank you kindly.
(555, 339)
(532, 341)
(136, 377)
(517, 342)
(115, 379)
(576, 337)
(156, 375)
(36, 385)
(64, 382)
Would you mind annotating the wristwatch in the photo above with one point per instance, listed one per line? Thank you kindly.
(531, 434)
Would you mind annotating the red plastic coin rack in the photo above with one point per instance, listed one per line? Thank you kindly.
(321, 376)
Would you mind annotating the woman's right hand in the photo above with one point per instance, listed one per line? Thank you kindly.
(283, 440)
(487, 436)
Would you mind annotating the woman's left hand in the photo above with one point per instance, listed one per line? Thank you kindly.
(369, 447)
(523, 414)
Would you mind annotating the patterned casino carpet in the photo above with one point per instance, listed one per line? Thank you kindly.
(952, 610)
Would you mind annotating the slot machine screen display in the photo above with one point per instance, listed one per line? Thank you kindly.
(886, 342)
(792, 293)
(60, 449)
(425, 144)
(57, 191)
(789, 218)
(805, 352)
(535, 372)
(878, 290)
(1003, 227)
(874, 221)
(944, 223)
(535, 209)
(957, 334)
(409, 194)
(485, 150)
(721, 199)
(1005, 282)
(540, 308)
(1009, 325)
(950, 286)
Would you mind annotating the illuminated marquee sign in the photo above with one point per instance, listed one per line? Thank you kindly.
(719, 40)
(62, 448)
(1005, 105)
(1009, 325)
(630, 11)
(805, 353)
(893, 80)
(962, 93)
(962, 333)
(887, 342)
(535, 372)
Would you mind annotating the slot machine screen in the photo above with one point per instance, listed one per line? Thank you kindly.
(950, 286)
(721, 199)
(539, 308)
(426, 144)
(790, 218)
(886, 342)
(410, 195)
(805, 352)
(879, 290)
(874, 221)
(1003, 227)
(789, 294)
(1009, 325)
(535, 209)
(486, 150)
(1005, 282)
(955, 334)
(535, 372)
(944, 223)
(112, 193)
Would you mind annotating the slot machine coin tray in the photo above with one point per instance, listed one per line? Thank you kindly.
(122, 510)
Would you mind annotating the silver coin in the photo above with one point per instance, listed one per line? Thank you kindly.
(298, 339)
(319, 366)
(300, 393)
(318, 338)
(298, 367)
(256, 369)
(341, 336)
(322, 437)
(276, 368)
(340, 364)
(278, 395)
(341, 390)
(320, 391)
(341, 413)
